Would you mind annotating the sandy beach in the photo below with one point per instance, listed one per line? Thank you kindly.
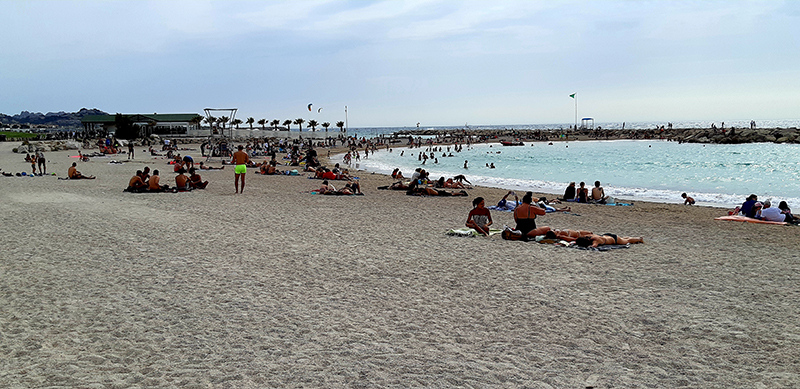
(279, 288)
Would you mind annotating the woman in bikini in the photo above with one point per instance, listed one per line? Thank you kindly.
(594, 240)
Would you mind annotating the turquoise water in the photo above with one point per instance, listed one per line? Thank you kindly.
(720, 175)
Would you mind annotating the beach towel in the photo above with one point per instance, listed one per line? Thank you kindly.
(739, 218)
(601, 248)
(470, 232)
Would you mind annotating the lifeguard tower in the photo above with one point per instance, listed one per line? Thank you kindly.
(587, 124)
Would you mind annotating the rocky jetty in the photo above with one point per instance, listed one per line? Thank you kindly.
(690, 135)
(45, 146)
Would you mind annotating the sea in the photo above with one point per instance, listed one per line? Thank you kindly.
(629, 170)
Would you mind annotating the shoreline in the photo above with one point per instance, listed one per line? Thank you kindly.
(337, 158)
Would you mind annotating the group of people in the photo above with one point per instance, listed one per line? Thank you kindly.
(143, 181)
(350, 188)
(420, 184)
(37, 159)
(582, 194)
(755, 209)
(480, 219)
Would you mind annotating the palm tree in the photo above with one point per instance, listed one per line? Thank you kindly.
(237, 122)
(262, 122)
(340, 124)
(287, 123)
(211, 120)
(299, 122)
(313, 124)
(274, 124)
(250, 121)
(326, 125)
(223, 120)
(195, 121)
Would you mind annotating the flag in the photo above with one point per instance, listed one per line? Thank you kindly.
(573, 95)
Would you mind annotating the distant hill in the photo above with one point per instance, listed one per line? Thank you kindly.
(61, 119)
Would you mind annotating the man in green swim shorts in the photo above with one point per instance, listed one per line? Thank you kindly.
(240, 159)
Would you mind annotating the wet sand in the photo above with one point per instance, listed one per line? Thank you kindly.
(279, 288)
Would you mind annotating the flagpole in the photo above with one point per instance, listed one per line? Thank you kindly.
(575, 97)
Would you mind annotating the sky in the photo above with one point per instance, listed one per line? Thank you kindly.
(398, 63)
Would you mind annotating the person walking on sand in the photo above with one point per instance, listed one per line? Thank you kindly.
(130, 150)
(240, 159)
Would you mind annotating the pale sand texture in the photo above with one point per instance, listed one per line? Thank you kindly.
(277, 288)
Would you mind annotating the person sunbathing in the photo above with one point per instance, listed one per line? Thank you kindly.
(595, 240)
(136, 184)
(154, 183)
(568, 235)
(350, 188)
(507, 205)
(195, 181)
(206, 167)
(414, 189)
(326, 188)
(450, 183)
(74, 174)
(399, 185)
(543, 203)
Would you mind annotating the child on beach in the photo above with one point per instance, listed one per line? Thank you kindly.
(688, 200)
(479, 217)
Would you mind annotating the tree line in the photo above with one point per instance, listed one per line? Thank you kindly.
(223, 120)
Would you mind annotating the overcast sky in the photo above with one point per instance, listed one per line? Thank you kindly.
(396, 63)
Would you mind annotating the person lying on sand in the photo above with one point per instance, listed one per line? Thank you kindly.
(399, 185)
(543, 203)
(505, 204)
(568, 235)
(414, 189)
(326, 187)
(74, 174)
(441, 183)
(595, 240)
(206, 167)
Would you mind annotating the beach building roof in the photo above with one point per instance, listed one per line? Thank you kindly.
(140, 118)
(165, 123)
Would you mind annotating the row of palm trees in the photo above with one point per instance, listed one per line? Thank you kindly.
(222, 120)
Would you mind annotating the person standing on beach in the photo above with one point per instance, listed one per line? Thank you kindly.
(41, 161)
(130, 150)
(240, 159)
